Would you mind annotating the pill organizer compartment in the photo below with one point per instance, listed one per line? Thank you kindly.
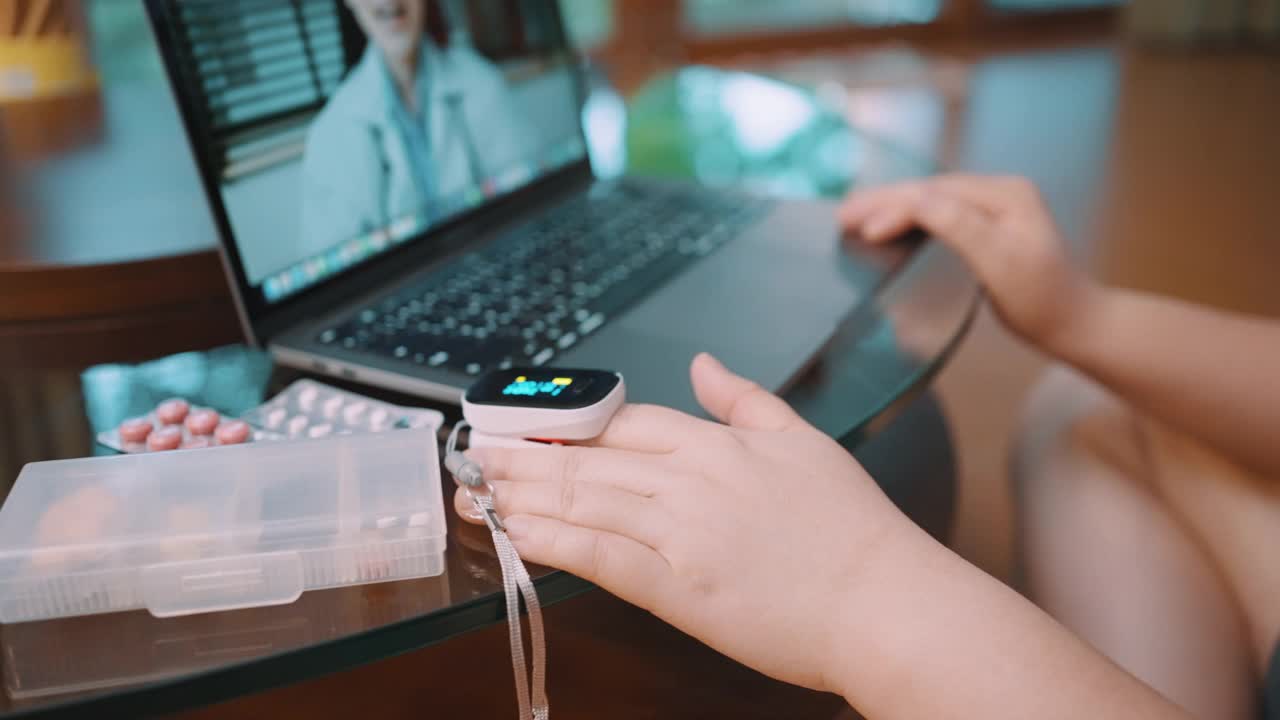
(219, 529)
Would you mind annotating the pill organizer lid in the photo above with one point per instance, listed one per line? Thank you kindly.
(287, 515)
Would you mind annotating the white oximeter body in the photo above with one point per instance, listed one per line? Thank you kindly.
(510, 406)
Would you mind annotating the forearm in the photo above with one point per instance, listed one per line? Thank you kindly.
(929, 635)
(1211, 374)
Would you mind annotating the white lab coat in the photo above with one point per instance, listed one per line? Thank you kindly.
(357, 171)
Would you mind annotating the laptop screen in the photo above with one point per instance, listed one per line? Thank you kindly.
(335, 130)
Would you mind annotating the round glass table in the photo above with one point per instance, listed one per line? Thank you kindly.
(723, 128)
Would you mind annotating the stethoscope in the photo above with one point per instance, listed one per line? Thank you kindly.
(456, 128)
(458, 121)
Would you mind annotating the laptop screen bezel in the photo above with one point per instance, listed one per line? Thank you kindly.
(262, 319)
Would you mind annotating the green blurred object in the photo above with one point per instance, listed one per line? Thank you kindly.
(715, 17)
(728, 128)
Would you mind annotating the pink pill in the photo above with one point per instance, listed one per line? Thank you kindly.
(233, 432)
(196, 442)
(203, 422)
(166, 438)
(172, 412)
(136, 430)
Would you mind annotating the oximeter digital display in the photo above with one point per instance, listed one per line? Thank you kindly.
(550, 389)
(543, 403)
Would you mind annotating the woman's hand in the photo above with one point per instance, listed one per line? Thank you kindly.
(1002, 229)
(767, 541)
(751, 536)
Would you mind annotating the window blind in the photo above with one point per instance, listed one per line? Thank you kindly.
(259, 71)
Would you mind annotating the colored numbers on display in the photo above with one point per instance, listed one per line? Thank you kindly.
(524, 387)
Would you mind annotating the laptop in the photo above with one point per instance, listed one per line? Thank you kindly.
(405, 200)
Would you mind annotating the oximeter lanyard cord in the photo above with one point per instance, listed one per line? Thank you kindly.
(515, 583)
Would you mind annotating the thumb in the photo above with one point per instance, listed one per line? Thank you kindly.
(736, 401)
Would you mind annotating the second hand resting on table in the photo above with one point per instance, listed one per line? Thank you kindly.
(765, 539)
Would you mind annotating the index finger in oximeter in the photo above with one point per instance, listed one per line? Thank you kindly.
(544, 403)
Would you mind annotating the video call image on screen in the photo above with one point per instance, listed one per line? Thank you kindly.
(350, 126)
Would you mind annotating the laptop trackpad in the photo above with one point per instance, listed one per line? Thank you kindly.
(763, 310)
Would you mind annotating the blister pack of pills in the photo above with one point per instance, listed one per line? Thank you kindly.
(311, 409)
(305, 409)
(176, 424)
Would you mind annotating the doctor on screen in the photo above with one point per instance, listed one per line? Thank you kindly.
(410, 125)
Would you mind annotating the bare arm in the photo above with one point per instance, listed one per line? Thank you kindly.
(1213, 375)
(935, 637)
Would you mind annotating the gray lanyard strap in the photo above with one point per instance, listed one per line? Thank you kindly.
(515, 583)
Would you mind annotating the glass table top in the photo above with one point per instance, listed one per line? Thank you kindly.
(723, 128)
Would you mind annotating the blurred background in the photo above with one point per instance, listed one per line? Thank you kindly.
(1151, 125)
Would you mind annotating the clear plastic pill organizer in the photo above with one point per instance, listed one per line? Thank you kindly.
(220, 528)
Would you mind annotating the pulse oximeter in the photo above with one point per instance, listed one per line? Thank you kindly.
(521, 407)
(543, 404)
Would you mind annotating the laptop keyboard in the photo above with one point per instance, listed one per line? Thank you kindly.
(541, 288)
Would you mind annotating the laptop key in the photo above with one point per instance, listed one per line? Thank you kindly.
(591, 324)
